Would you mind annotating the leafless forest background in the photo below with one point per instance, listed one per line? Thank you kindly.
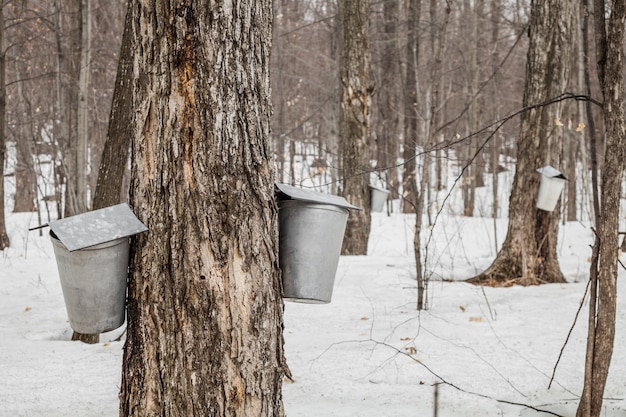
(61, 59)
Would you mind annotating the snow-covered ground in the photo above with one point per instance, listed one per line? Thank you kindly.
(489, 351)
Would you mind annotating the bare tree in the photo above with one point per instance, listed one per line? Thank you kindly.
(4, 237)
(411, 110)
(205, 308)
(110, 188)
(609, 35)
(355, 124)
(528, 254)
(388, 105)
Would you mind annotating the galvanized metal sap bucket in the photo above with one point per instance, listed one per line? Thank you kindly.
(550, 188)
(94, 284)
(311, 230)
(378, 198)
(92, 253)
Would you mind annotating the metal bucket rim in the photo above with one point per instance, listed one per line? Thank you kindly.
(99, 246)
(308, 204)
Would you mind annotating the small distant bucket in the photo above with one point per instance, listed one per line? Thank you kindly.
(378, 198)
(93, 280)
(311, 236)
(550, 188)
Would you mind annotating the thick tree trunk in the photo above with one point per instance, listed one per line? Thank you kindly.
(602, 319)
(355, 110)
(528, 254)
(205, 308)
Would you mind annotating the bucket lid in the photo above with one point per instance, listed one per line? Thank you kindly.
(96, 227)
(309, 196)
(384, 190)
(552, 172)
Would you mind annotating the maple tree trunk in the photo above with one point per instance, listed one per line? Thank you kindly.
(528, 255)
(204, 305)
(355, 124)
(601, 336)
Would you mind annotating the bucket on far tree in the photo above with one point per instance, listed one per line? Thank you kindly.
(92, 254)
(378, 198)
(550, 188)
(311, 231)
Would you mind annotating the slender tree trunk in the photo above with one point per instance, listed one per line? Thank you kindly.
(494, 147)
(82, 109)
(601, 338)
(110, 188)
(79, 149)
(528, 255)
(438, 44)
(355, 110)
(411, 121)
(68, 17)
(205, 308)
(25, 177)
(277, 51)
(388, 135)
(4, 237)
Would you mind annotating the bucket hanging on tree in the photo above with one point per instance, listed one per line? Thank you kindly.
(550, 188)
(378, 198)
(92, 252)
(311, 231)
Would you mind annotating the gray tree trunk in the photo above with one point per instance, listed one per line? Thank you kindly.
(205, 308)
(4, 237)
(110, 188)
(82, 109)
(411, 103)
(528, 254)
(609, 41)
(389, 98)
(355, 124)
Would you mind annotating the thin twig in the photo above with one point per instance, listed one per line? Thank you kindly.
(569, 334)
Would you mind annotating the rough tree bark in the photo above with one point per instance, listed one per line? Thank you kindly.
(355, 124)
(600, 341)
(205, 308)
(528, 254)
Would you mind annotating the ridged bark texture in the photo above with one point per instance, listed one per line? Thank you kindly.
(528, 255)
(205, 306)
(602, 326)
(355, 123)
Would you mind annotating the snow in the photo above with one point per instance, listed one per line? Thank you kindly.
(491, 351)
